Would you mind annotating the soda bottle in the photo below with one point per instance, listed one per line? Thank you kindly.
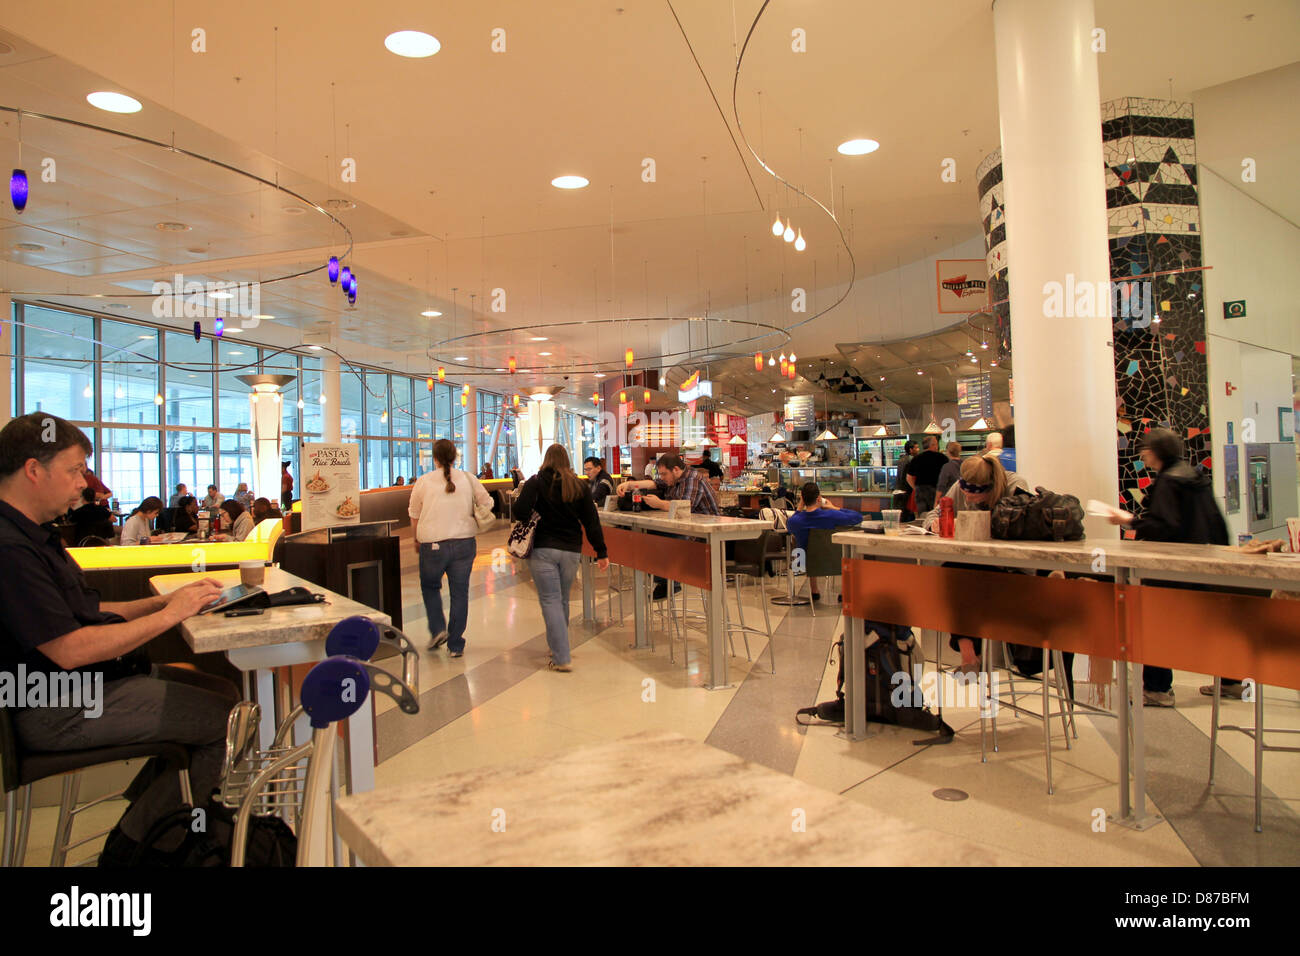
(947, 518)
(636, 501)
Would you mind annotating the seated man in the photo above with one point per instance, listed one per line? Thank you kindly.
(213, 500)
(92, 519)
(814, 512)
(51, 623)
(677, 482)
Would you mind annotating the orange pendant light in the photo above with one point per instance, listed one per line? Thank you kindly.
(622, 398)
(512, 365)
(464, 400)
(595, 398)
(516, 401)
(646, 397)
(785, 367)
(428, 383)
(442, 374)
(627, 357)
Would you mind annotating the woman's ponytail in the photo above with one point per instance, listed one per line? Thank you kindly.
(444, 453)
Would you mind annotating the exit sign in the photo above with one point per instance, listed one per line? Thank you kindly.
(1235, 309)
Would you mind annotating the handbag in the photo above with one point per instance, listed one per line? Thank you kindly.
(1044, 516)
(484, 519)
(520, 542)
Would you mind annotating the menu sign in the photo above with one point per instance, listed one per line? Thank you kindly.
(331, 486)
(799, 412)
(974, 397)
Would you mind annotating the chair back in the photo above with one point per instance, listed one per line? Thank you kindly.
(751, 552)
(92, 541)
(824, 558)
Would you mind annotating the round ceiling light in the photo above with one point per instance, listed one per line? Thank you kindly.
(412, 44)
(293, 210)
(462, 358)
(569, 182)
(537, 338)
(114, 102)
(119, 306)
(431, 313)
(543, 354)
(858, 147)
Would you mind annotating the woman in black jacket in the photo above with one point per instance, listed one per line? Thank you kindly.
(564, 508)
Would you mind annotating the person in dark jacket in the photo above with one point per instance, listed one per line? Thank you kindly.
(185, 516)
(565, 509)
(93, 518)
(599, 480)
(902, 488)
(1180, 507)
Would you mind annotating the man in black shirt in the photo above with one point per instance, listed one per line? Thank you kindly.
(56, 631)
(709, 465)
(923, 474)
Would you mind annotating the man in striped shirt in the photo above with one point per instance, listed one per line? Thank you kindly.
(677, 481)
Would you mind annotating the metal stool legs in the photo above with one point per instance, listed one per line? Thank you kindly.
(1256, 734)
(17, 802)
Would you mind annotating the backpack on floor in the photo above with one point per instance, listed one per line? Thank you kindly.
(887, 699)
(1044, 516)
(270, 841)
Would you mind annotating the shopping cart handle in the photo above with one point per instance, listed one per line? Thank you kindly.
(334, 690)
(410, 661)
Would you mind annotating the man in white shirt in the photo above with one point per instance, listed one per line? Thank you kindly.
(651, 469)
(213, 499)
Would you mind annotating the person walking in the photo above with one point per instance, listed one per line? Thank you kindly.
(286, 486)
(565, 509)
(951, 472)
(923, 474)
(442, 506)
(1180, 507)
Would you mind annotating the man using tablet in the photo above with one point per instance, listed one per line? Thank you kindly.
(52, 624)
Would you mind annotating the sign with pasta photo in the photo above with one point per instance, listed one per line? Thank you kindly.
(331, 486)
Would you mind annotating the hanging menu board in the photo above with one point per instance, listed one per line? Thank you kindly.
(975, 397)
(799, 412)
(330, 485)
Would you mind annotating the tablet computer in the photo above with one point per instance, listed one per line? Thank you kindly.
(232, 596)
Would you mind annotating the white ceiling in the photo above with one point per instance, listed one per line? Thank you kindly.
(455, 153)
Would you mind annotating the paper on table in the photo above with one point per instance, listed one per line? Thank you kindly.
(1099, 509)
(916, 529)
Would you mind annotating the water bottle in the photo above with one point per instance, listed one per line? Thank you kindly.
(947, 518)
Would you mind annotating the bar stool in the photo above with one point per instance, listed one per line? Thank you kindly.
(20, 770)
(1256, 734)
(747, 561)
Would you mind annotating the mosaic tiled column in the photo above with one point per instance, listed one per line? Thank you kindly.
(1151, 199)
(993, 214)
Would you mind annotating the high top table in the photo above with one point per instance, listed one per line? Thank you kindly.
(280, 637)
(654, 799)
(695, 555)
(1118, 618)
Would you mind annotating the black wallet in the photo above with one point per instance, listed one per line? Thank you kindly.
(285, 598)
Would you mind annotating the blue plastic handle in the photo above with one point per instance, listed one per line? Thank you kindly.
(354, 636)
(334, 690)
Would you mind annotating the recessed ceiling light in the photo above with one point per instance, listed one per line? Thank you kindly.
(537, 338)
(412, 44)
(462, 358)
(543, 354)
(313, 348)
(569, 182)
(264, 317)
(28, 247)
(431, 313)
(600, 375)
(220, 295)
(858, 147)
(171, 227)
(293, 210)
(114, 102)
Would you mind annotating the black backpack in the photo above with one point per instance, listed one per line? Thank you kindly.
(886, 699)
(270, 841)
(1044, 516)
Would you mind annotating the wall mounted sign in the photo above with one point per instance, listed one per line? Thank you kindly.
(694, 389)
(960, 285)
(1235, 309)
(1231, 480)
(331, 485)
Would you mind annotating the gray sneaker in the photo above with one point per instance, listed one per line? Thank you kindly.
(438, 640)
(1156, 698)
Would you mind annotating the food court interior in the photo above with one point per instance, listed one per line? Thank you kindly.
(792, 238)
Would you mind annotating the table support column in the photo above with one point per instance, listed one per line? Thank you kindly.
(717, 625)
(1132, 757)
(855, 679)
(587, 567)
(642, 637)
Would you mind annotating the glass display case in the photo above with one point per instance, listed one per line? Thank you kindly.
(829, 478)
(876, 478)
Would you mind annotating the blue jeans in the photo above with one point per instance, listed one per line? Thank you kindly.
(454, 558)
(553, 573)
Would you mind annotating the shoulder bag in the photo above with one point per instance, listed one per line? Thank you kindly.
(520, 542)
(484, 519)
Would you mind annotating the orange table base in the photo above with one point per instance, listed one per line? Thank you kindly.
(676, 559)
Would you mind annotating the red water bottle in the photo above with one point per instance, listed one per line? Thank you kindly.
(947, 518)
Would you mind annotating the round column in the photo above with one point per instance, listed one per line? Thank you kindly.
(1054, 181)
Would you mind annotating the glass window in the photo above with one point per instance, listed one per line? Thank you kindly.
(446, 399)
(59, 368)
(375, 469)
(285, 363)
(129, 373)
(376, 399)
(403, 460)
(349, 402)
(189, 387)
(187, 459)
(235, 464)
(312, 384)
(128, 463)
(399, 416)
(234, 359)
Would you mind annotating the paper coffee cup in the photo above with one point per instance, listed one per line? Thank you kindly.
(251, 573)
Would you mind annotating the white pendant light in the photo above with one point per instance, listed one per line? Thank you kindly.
(882, 432)
(788, 235)
(770, 361)
(799, 244)
(737, 440)
(827, 435)
(933, 428)
(777, 228)
(980, 425)
(776, 437)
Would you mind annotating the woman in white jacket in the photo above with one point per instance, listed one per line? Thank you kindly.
(442, 508)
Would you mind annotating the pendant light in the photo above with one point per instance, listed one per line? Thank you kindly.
(442, 374)
(627, 357)
(827, 434)
(428, 383)
(777, 437)
(980, 425)
(932, 428)
(771, 360)
(18, 190)
(758, 361)
(737, 440)
(777, 228)
(515, 401)
(645, 397)
(788, 235)
(799, 244)
(511, 363)
(595, 398)
(334, 270)
(622, 398)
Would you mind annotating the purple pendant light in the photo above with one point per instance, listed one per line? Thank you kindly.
(219, 326)
(334, 269)
(347, 278)
(198, 332)
(18, 189)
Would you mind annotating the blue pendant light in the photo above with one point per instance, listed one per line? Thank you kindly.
(198, 332)
(219, 326)
(18, 189)
(347, 278)
(334, 269)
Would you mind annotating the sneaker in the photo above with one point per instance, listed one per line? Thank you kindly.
(1226, 689)
(438, 640)
(1156, 698)
(456, 654)
(562, 668)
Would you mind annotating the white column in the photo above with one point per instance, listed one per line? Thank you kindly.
(266, 439)
(331, 412)
(1055, 194)
(7, 336)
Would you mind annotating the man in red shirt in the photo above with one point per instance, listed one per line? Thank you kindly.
(286, 485)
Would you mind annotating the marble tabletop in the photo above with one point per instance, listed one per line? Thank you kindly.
(654, 799)
(276, 625)
(1147, 557)
(720, 527)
